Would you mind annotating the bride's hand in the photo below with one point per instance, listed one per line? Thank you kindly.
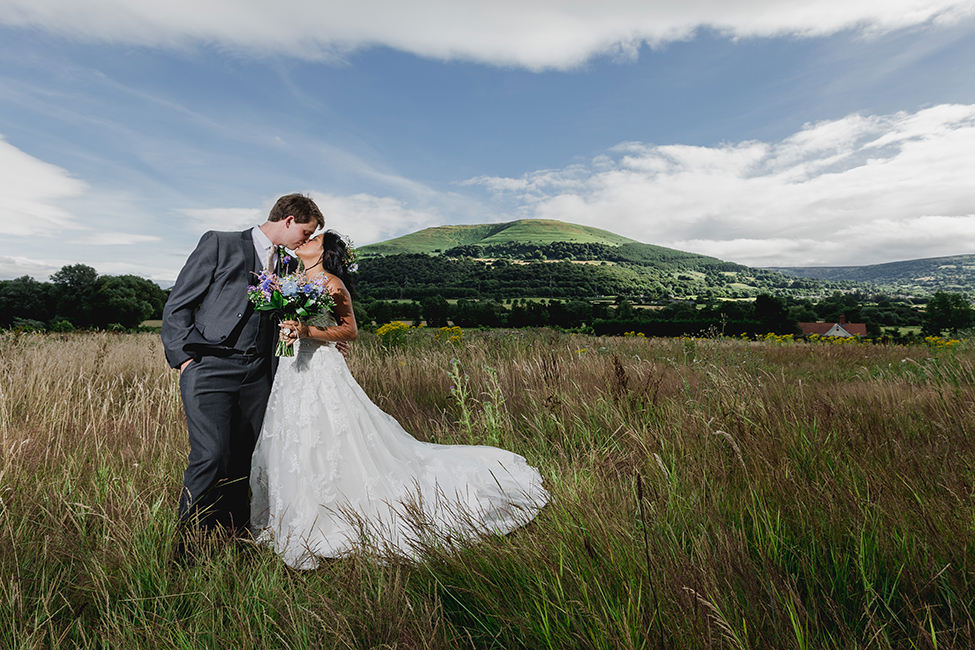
(295, 330)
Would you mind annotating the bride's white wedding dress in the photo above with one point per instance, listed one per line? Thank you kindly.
(331, 472)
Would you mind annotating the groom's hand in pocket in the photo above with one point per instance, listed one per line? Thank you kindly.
(184, 365)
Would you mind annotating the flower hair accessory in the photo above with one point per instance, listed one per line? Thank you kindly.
(350, 256)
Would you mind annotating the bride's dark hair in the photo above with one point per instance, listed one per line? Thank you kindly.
(337, 257)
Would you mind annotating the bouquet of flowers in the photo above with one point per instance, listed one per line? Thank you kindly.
(290, 297)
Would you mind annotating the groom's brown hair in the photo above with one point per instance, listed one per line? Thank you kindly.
(299, 206)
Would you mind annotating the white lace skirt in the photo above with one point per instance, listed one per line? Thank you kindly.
(332, 473)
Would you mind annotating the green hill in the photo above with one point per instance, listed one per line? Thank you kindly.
(921, 276)
(548, 258)
(548, 231)
(432, 240)
(523, 231)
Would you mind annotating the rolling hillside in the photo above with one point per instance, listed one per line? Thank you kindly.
(524, 231)
(554, 259)
(955, 273)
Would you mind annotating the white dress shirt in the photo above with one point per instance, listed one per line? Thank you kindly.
(265, 248)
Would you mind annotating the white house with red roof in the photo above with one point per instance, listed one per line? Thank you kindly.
(842, 328)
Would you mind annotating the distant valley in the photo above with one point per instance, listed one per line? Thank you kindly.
(911, 277)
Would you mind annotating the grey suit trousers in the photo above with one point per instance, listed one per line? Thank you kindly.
(224, 398)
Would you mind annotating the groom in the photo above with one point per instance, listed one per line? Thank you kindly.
(222, 348)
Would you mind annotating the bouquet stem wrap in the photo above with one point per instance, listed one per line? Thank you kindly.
(284, 349)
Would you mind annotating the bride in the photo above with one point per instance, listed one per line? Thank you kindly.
(332, 472)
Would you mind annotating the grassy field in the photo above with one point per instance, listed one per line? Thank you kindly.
(707, 494)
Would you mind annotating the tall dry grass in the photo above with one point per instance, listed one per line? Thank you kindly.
(710, 493)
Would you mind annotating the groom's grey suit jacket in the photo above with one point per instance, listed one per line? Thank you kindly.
(209, 300)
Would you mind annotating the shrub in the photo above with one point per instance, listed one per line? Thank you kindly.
(60, 325)
(393, 333)
(27, 325)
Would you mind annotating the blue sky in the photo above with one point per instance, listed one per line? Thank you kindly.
(767, 133)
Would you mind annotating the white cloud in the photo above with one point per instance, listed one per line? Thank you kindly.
(366, 218)
(116, 239)
(534, 34)
(30, 193)
(203, 219)
(859, 190)
(163, 276)
(15, 267)
(363, 217)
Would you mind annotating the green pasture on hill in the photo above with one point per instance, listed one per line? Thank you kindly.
(534, 231)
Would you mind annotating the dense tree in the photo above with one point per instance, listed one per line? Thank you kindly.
(384, 311)
(126, 300)
(362, 316)
(679, 310)
(75, 287)
(25, 298)
(624, 309)
(773, 316)
(947, 311)
(434, 310)
(78, 297)
(529, 314)
(478, 313)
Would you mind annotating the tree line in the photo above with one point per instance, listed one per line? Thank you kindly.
(642, 279)
(78, 297)
(945, 313)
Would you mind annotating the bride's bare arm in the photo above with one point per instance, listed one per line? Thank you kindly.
(345, 329)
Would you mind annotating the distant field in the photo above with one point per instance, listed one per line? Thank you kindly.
(707, 494)
(907, 329)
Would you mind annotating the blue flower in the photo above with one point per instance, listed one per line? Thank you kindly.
(308, 288)
(289, 288)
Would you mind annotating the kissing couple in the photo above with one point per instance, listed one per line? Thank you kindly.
(290, 450)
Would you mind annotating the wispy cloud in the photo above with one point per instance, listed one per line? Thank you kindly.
(859, 190)
(536, 34)
(15, 267)
(31, 193)
(116, 239)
